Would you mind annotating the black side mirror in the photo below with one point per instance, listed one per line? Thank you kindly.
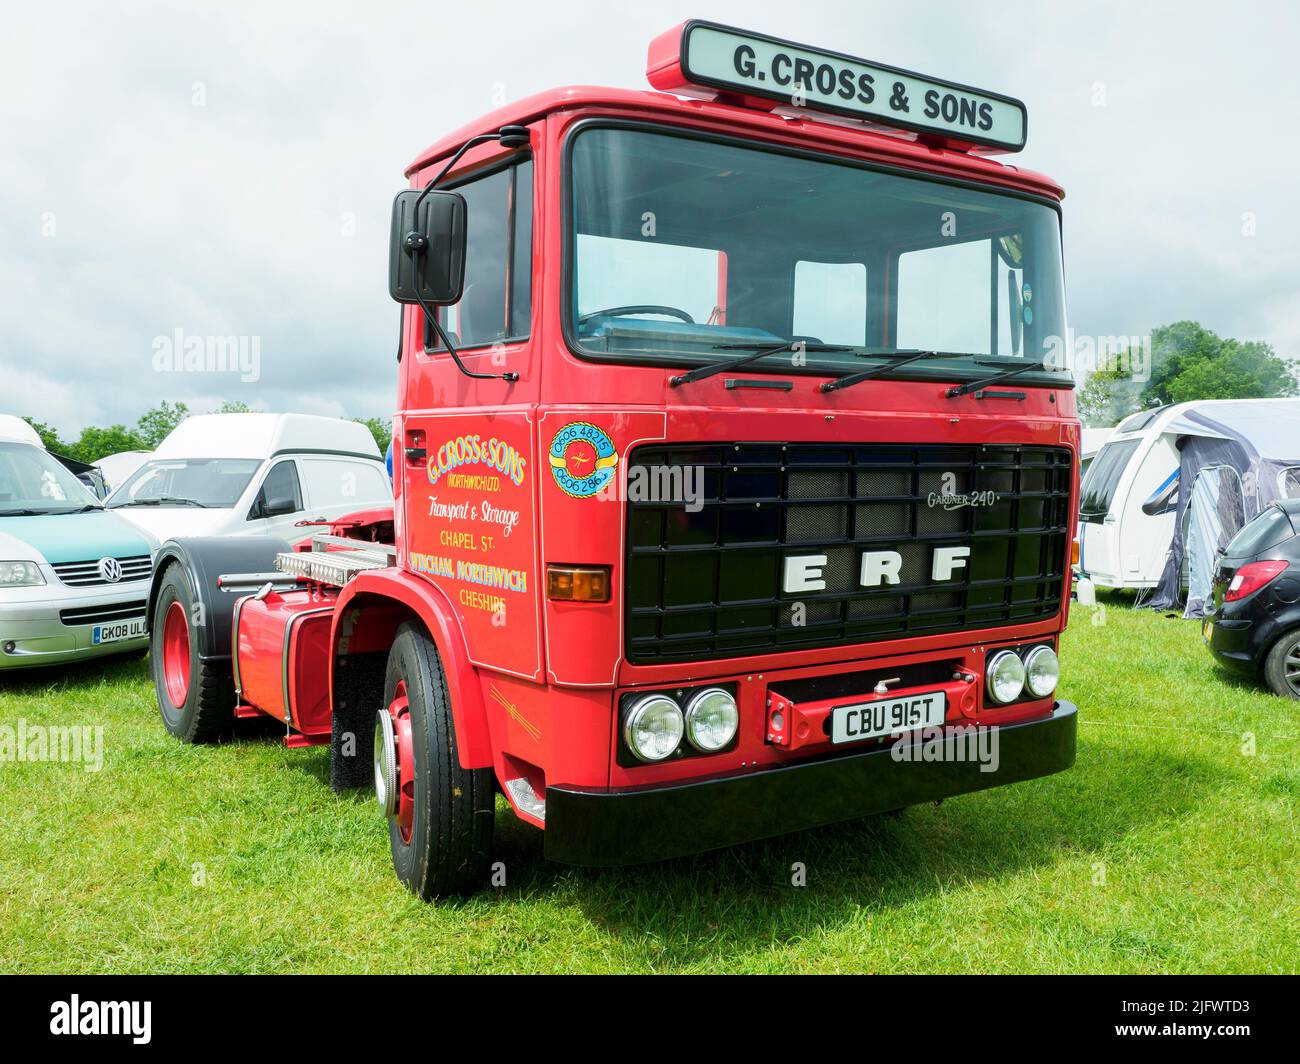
(426, 257)
(276, 506)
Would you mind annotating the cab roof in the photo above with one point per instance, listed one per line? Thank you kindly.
(817, 129)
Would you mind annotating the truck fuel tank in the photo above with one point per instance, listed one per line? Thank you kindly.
(281, 653)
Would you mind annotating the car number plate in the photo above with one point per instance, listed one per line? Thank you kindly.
(116, 632)
(886, 716)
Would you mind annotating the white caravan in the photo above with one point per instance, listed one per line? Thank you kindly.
(1129, 502)
(254, 474)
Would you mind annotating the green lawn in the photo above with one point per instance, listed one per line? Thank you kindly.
(1166, 848)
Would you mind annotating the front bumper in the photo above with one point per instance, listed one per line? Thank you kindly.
(619, 827)
(39, 636)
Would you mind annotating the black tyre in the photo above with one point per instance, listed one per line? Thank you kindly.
(197, 700)
(446, 849)
(1282, 666)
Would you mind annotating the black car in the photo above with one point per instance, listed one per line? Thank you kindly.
(1252, 618)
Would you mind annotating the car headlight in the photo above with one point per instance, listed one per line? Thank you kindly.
(653, 727)
(20, 574)
(1042, 671)
(1005, 676)
(711, 719)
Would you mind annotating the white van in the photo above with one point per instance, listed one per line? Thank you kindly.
(254, 474)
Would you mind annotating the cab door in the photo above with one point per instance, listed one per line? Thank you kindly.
(464, 457)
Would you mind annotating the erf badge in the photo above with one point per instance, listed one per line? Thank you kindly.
(583, 459)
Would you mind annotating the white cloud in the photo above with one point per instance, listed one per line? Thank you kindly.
(226, 218)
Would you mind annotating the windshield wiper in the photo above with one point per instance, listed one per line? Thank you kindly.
(974, 386)
(898, 359)
(714, 368)
(165, 500)
(22, 513)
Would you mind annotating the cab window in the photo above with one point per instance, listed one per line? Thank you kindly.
(659, 280)
(968, 296)
(830, 302)
(496, 303)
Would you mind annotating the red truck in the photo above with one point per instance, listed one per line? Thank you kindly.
(733, 481)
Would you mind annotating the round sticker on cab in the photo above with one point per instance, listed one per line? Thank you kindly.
(583, 459)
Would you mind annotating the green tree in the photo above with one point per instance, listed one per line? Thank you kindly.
(95, 443)
(1109, 395)
(234, 406)
(1191, 362)
(380, 428)
(154, 425)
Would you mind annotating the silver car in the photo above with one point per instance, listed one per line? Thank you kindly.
(74, 578)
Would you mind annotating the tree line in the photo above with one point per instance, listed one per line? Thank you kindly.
(152, 428)
(1187, 362)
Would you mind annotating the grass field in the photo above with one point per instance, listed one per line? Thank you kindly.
(1169, 847)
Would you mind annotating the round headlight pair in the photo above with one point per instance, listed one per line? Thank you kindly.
(1007, 676)
(655, 724)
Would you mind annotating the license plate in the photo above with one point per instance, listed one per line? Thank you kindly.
(116, 632)
(886, 716)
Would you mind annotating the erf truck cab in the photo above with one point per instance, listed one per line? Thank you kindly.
(733, 483)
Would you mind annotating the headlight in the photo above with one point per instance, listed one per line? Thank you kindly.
(20, 574)
(1005, 676)
(1042, 670)
(711, 719)
(653, 727)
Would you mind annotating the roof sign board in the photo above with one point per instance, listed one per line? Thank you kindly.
(704, 55)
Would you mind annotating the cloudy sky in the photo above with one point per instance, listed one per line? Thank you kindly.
(228, 168)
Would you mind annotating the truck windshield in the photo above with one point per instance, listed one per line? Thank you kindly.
(215, 482)
(687, 250)
(32, 481)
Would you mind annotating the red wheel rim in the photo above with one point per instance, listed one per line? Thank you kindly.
(176, 654)
(400, 710)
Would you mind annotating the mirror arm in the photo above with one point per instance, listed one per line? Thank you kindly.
(510, 137)
(482, 138)
(509, 378)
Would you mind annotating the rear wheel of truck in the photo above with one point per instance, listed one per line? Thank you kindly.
(196, 699)
(1282, 666)
(440, 816)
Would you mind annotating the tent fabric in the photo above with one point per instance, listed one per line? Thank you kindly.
(1230, 469)
(1215, 513)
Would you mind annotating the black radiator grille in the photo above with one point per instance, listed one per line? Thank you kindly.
(704, 578)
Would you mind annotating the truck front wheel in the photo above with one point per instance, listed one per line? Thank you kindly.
(440, 816)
